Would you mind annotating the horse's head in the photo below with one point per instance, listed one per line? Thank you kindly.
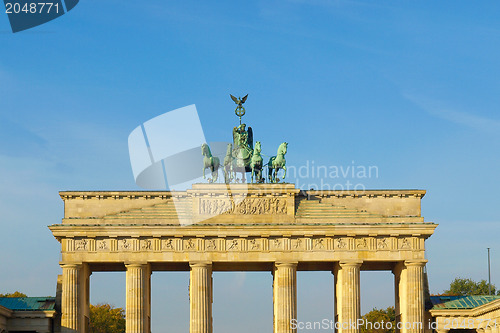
(229, 149)
(257, 147)
(205, 150)
(282, 148)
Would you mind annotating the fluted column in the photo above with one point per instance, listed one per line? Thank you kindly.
(70, 303)
(411, 296)
(285, 296)
(200, 297)
(347, 296)
(137, 298)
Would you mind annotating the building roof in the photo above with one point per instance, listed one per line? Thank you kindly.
(28, 303)
(461, 302)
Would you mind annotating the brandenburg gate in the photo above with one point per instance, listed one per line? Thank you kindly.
(243, 227)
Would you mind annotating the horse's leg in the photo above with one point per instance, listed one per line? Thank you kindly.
(284, 169)
(253, 170)
(216, 168)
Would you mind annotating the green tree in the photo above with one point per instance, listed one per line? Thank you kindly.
(379, 321)
(105, 318)
(14, 294)
(468, 287)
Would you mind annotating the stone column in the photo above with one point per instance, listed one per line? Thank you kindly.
(347, 297)
(411, 296)
(75, 298)
(400, 298)
(284, 296)
(200, 297)
(70, 303)
(138, 298)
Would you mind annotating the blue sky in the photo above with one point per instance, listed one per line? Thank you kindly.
(409, 87)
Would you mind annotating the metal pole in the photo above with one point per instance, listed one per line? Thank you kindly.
(489, 273)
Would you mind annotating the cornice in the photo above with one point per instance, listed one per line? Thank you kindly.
(250, 188)
(416, 230)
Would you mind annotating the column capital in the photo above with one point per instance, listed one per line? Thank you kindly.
(200, 263)
(350, 263)
(135, 264)
(70, 265)
(420, 263)
(292, 264)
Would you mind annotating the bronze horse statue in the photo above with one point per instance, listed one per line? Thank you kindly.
(211, 162)
(276, 163)
(228, 164)
(256, 164)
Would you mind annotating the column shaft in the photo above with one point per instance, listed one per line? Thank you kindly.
(75, 298)
(285, 297)
(347, 296)
(200, 298)
(137, 298)
(411, 292)
(70, 303)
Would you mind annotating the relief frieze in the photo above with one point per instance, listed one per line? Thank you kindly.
(276, 244)
(405, 244)
(362, 244)
(211, 244)
(168, 244)
(254, 244)
(341, 244)
(125, 244)
(319, 244)
(146, 245)
(102, 245)
(233, 245)
(189, 244)
(297, 244)
(81, 245)
(249, 206)
(382, 244)
(250, 244)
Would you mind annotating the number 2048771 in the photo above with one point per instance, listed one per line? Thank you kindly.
(31, 8)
